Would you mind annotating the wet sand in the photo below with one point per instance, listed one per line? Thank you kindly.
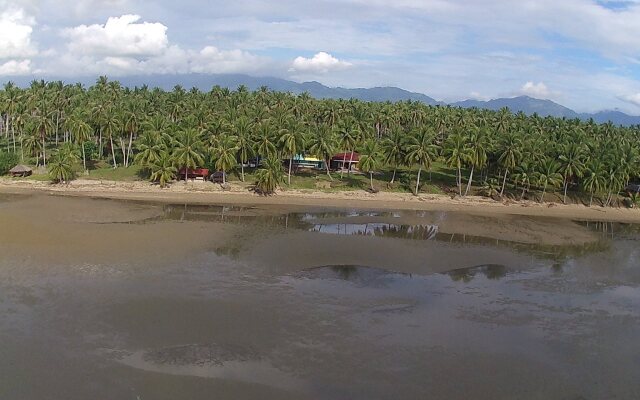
(206, 193)
(141, 300)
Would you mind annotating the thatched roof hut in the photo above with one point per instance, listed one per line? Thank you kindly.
(20, 170)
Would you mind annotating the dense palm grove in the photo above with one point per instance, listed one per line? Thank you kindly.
(63, 127)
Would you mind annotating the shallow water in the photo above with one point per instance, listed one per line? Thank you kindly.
(108, 299)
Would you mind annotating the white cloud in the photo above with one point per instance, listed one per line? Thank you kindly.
(13, 68)
(538, 90)
(213, 60)
(15, 34)
(477, 96)
(120, 36)
(321, 63)
(631, 98)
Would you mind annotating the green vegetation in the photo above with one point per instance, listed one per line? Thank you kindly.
(110, 132)
(7, 161)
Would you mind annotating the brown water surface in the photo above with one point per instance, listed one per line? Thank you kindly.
(103, 299)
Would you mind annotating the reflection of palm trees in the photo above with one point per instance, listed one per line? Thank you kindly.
(490, 271)
(465, 275)
(494, 271)
(345, 272)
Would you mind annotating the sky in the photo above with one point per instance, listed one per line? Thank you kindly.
(584, 54)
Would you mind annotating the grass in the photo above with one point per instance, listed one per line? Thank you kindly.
(108, 173)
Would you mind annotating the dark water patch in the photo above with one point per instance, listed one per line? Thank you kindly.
(201, 354)
(490, 271)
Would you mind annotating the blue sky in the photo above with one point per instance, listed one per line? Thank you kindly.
(584, 54)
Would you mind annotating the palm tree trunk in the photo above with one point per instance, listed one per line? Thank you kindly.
(504, 182)
(13, 137)
(129, 148)
(84, 160)
(543, 192)
(326, 164)
(242, 170)
(124, 155)
(393, 177)
(591, 199)
(44, 153)
(459, 181)
(350, 163)
(224, 178)
(566, 185)
(524, 188)
(371, 179)
(470, 180)
(290, 162)
(113, 152)
(100, 143)
(418, 181)
(343, 162)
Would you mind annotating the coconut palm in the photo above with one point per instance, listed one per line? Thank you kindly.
(189, 150)
(421, 151)
(455, 153)
(322, 144)
(510, 153)
(162, 169)
(61, 168)
(595, 178)
(241, 129)
(571, 163)
(548, 176)
(370, 159)
(224, 155)
(270, 176)
(291, 142)
(394, 151)
(478, 146)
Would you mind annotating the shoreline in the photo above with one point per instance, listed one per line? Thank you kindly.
(207, 193)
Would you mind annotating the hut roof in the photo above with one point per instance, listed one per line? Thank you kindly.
(20, 168)
(353, 157)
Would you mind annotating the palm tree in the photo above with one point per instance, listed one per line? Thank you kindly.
(188, 152)
(61, 168)
(322, 145)
(456, 152)
(270, 176)
(421, 151)
(595, 179)
(291, 142)
(241, 129)
(264, 140)
(394, 150)
(510, 153)
(571, 164)
(81, 133)
(225, 155)
(548, 175)
(162, 169)
(370, 159)
(150, 148)
(477, 143)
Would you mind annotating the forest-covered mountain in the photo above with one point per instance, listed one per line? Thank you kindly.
(526, 104)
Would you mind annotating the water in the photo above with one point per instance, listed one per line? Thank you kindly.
(107, 299)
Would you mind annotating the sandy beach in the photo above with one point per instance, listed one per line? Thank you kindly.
(207, 193)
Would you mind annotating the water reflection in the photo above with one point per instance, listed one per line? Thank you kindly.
(490, 271)
(382, 224)
(423, 232)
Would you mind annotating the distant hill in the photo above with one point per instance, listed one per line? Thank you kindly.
(527, 105)
(315, 89)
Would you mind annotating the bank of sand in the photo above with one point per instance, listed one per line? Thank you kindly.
(207, 193)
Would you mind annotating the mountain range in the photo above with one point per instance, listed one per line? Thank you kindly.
(526, 104)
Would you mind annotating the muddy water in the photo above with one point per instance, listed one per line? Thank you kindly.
(116, 300)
